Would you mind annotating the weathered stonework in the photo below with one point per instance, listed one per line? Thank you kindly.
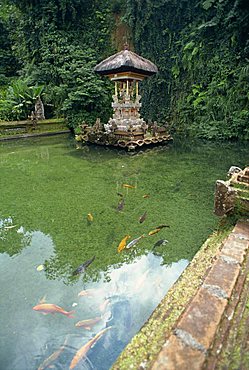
(233, 195)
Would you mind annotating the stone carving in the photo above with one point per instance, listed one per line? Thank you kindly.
(233, 195)
(232, 170)
(39, 109)
(97, 127)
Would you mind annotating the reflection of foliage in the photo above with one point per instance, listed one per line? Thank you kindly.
(12, 238)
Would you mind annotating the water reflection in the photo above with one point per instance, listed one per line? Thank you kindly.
(30, 340)
(13, 238)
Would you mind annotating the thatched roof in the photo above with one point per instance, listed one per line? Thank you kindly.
(126, 61)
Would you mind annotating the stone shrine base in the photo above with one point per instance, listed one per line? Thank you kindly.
(122, 139)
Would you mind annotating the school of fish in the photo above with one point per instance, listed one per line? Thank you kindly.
(88, 324)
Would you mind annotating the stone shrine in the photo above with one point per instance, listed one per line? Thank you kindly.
(126, 128)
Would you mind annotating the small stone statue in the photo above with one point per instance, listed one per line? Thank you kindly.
(33, 118)
(97, 127)
(144, 127)
(154, 128)
(131, 128)
(39, 109)
(232, 170)
(114, 126)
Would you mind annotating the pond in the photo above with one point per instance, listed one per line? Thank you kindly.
(48, 189)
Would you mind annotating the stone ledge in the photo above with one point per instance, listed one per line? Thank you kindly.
(173, 356)
(143, 349)
(202, 316)
(199, 322)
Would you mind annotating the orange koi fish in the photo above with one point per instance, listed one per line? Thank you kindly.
(87, 324)
(89, 217)
(47, 363)
(123, 242)
(154, 231)
(47, 308)
(83, 350)
(103, 306)
(86, 292)
(140, 282)
(128, 186)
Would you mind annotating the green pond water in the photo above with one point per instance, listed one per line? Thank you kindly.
(48, 188)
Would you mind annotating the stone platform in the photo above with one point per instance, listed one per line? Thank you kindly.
(126, 139)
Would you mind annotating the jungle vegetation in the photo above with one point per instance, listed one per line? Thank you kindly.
(201, 47)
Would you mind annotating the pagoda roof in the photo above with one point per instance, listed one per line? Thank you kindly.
(126, 61)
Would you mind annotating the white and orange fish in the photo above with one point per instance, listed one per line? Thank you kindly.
(83, 350)
(88, 324)
(134, 242)
(47, 308)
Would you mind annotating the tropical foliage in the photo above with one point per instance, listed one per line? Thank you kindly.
(200, 46)
(202, 51)
(18, 100)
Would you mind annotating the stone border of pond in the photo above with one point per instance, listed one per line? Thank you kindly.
(25, 136)
(26, 129)
(180, 332)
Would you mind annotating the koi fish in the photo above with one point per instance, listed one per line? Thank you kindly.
(146, 195)
(134, 242)
(123, 242)
(143, 217)
(162, 226)
(9, 227)
(154, 231)
(128, 186)
(46, 363)
(121, 205)
(40, 268)
(86, 292)
(87, 324)
(103, 306)
(83, 267)
(42, 300)
(89, 217)
(141, 280)
(83, 350)
(47, 308)
(160, 242)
